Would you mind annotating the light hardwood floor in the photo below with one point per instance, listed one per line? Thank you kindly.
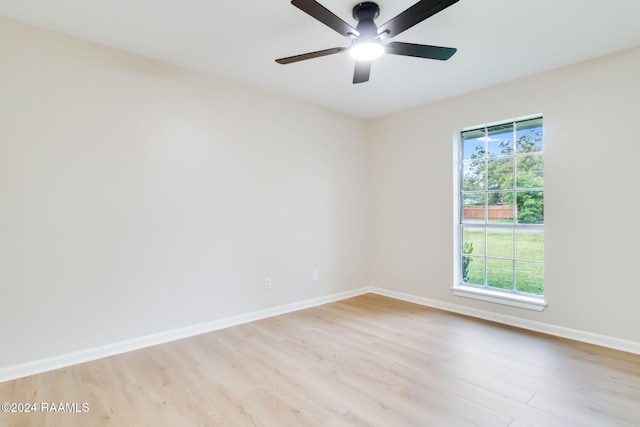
(366, 361)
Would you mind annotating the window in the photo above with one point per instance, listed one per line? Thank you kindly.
(501, 227)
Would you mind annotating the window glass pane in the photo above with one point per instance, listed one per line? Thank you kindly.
(529, 171)
(500, 206)
(530, 277)
(500, 273)
(473, 241)
(530, 245)
(530, 207)
(473, 142)
(500, 243)
(502, 196)
(500, 140)
(500, 174)
(529, 136)
(473, 210)
(473, 270)
(473, 175)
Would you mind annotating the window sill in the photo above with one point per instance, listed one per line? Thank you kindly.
(520, 301)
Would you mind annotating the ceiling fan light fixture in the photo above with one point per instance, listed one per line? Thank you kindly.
(367, 37)
(366, 51)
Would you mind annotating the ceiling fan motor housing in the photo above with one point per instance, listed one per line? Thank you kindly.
(365, 13)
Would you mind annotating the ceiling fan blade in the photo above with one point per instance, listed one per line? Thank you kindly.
(414, 15)
(362, 72)
(324, 15)
(420, 50)
(310, 55)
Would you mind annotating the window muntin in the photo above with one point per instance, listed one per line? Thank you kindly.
(502, 207)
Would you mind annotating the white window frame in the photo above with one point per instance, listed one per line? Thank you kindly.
(460, 289)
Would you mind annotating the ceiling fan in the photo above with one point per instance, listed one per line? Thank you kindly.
(367, 36)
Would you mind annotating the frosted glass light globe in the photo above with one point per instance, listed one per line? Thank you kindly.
(366, 51)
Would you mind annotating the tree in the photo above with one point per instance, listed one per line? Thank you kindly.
(529, 175)
(497, 173)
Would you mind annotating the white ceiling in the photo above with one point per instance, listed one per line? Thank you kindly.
(497, 41)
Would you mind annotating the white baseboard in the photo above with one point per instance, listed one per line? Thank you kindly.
(546, 328)
(65, 360)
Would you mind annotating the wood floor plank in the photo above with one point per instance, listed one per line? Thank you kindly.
(365, 361)
(586, 411)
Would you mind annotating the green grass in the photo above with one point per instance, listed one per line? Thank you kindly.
(527, 246)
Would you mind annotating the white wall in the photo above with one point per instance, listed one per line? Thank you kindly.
(592, 197)
(137, 197)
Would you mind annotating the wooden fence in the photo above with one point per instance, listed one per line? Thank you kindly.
(495, 212)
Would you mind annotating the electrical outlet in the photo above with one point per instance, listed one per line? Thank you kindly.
(315, 276)
(267, 283)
